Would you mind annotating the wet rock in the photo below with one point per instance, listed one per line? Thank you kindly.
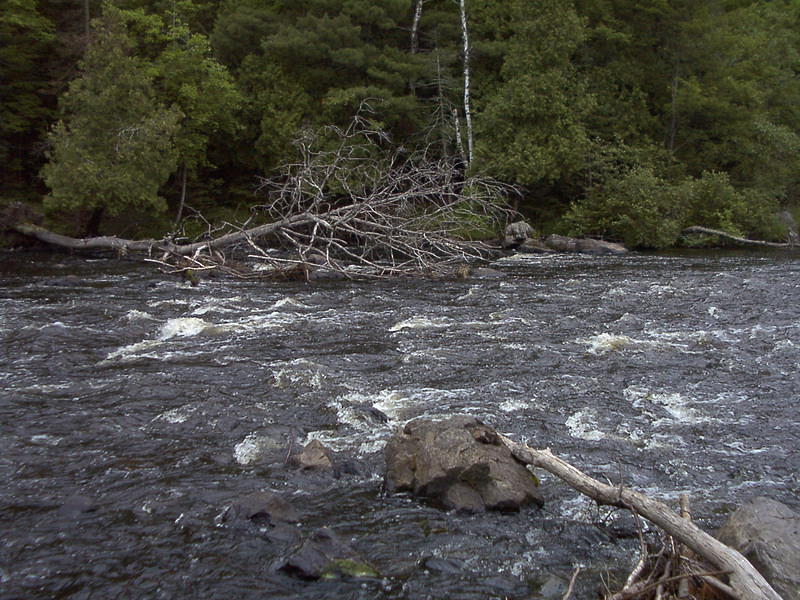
(561, 243)
(485, 273)
(443, 565)
(590, 246)
(77, 506)
(767, 533)
(66, 281)
(583, 245)
(322, 274)
(283, 535)
(623, 526)
(315, 455)
(534, 247)
(263, 507)
(324, 555)
(458, 463)
(517, 234)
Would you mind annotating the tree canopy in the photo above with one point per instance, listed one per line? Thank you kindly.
(627, 120)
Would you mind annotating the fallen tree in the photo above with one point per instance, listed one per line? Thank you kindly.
(353, 203)
(697, 230)
(744, 581)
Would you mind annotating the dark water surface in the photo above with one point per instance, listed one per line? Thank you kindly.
(135, 409)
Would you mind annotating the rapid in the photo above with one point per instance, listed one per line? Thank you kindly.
(135, 408)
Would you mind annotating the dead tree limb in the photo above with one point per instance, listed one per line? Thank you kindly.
(747, 583)
(352, 203)
(695, 229)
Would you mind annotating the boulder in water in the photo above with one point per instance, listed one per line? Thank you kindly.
(262, 507)
(767, 533)
(561, 243)
(591, 246)
(517, 233)
(458, 463)
(583, 245)
(323, 555)
(315, 455)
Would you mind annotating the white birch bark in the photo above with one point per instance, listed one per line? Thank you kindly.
(467, 111)
(415, 27)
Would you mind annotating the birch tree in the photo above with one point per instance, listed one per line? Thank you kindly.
(467, 109)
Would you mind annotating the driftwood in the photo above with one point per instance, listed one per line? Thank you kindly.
(745, 583)
(734, 238)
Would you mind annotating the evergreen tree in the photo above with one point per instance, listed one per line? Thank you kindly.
(114, 147)
(530, 129)
(26, 38)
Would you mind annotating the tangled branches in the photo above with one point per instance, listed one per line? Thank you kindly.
(353, 204)
(353, 198)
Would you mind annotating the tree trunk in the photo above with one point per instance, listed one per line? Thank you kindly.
(179, 216)
(86, 19)
(748, 583)
(467, 111)
(93, 224)
(415, 27)
(734, 238)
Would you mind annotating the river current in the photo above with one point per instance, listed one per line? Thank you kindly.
(135, 409)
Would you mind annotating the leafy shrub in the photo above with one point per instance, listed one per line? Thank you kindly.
(639, 208)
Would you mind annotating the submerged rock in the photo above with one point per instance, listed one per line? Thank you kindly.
(767, 533)
(315, 455)
(458, 463)
(262, 507)
(324, 555)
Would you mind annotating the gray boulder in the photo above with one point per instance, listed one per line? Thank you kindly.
(561, 243)
(517, 233)
(583, 245)
(590, 246)
(458, 463)
(315, 455)
(767, 533)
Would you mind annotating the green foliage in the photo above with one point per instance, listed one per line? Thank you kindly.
(653, 115)
(644, 210)
(531, 129)
(713, 201)
(26, 37)
(115, 146)
(639, 208)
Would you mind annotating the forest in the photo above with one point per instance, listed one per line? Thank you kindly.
(627, 121)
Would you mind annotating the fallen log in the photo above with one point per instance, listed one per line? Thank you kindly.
(745, 581)
(695, 229)
(149, 246)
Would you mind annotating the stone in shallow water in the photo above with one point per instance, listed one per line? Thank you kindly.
(263, 507)
(767, 533)
(458, 463)
(315, 455)
(324, 555)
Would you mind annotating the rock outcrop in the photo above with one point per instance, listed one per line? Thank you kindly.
(458, 463)
(767, 533)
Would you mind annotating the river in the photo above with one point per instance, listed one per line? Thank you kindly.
(136, 408)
